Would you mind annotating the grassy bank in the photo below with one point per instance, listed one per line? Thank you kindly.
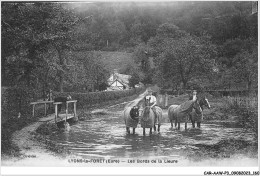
(223, 149)
(7, 129)
(245, 109)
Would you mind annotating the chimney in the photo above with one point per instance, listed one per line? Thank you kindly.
(115, 74)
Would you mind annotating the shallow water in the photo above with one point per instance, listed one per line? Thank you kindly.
(104, 136)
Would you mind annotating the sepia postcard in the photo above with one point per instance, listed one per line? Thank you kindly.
(129, 88)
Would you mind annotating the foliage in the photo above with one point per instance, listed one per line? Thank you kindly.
(37, 36)
(180, 56)
(246, 110)
(92, 98)
(87, 72)
(134, 80)
(246, 67)
(47, 128)
(15, 114)
(34, 28)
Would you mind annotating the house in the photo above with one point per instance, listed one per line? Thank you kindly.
(118, 81)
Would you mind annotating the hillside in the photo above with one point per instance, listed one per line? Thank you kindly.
(117, 60)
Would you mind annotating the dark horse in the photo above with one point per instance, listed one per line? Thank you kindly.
(197, 116)
(149, 119)
(180, 113)
(131, 115)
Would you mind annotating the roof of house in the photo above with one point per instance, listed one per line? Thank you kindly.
(124, 79)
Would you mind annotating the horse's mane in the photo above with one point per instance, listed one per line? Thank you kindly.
(186, 105)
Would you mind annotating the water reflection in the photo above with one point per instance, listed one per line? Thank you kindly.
(106, 137)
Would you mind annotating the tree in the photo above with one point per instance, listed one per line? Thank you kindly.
(181, 57)
(246, 68)
(141, 57)
(134, 80)
(36, 28)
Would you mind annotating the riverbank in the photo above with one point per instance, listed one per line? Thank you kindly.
(29, 148)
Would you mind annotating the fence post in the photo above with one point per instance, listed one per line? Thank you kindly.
(45, 109)
(56, 112)
(75, 112)
(33, 109)
(166, 100)
(66, 111)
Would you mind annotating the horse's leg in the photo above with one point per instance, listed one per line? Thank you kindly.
(159, 128)
(171, 123)
(198, 124)
(179, 125)
(128, 130)
(154, 128)
(175, 123)
(151, 130)
(185, 125)
(133, 130)
(143, 131)
(193, 123)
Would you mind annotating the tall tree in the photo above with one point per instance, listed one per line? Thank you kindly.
(181, 57)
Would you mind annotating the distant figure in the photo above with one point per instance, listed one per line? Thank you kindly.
(63, 100)
(194, 93)
(49, 95)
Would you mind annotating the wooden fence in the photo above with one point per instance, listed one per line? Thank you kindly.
(246, 102)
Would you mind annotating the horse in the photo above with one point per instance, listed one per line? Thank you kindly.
(179, 112)
(131, 117)
(149, 119)
(63, 100)
(197, 116)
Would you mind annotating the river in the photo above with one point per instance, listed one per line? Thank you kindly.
(104, 137)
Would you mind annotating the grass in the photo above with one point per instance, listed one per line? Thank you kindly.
(7, 129)
(115, 60)
(46, 128)
(223, 149)
(52, 146)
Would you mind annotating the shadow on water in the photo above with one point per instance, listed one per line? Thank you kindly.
(105, 137)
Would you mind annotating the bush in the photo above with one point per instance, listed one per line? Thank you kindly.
(15, 100)
(47, 128)
(85, 99)
(246, 108)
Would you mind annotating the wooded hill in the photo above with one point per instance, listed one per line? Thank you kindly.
(49, 45)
